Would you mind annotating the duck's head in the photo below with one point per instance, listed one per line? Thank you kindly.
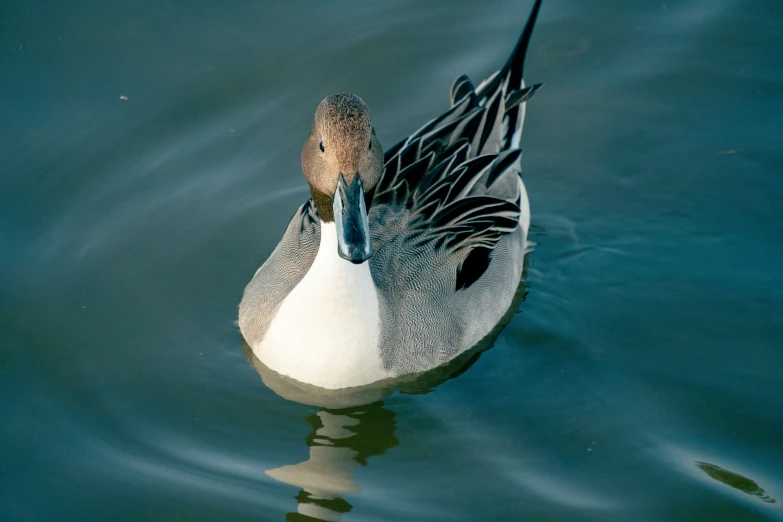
(343, 162)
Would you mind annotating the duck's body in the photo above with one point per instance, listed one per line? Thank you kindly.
(447, 227)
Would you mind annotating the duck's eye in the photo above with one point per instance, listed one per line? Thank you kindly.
(322, 146)
(370, 147)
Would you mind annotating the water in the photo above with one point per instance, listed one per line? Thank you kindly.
(640, 380)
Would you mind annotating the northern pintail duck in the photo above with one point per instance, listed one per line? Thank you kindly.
(400, 261)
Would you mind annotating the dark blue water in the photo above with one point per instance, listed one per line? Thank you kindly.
(642, 378)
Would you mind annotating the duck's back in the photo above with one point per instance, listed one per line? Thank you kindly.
(449, 222)
(426, 320)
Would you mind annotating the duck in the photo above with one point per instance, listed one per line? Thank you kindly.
(401, 260)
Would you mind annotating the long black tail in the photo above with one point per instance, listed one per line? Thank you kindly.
(510, 79)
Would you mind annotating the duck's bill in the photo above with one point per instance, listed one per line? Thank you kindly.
(350, 219)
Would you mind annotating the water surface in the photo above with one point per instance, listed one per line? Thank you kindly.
(150, 162)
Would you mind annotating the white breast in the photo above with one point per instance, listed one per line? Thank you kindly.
(327, 330)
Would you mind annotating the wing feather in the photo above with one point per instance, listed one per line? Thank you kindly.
(443, 174)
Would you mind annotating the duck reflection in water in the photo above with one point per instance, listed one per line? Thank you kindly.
(344, 435)
(351, 425)
(341, 441)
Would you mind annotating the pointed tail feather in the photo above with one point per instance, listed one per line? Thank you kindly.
(515, 66)
(510, 81)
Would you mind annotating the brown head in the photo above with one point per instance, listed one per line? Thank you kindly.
(342, 160)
